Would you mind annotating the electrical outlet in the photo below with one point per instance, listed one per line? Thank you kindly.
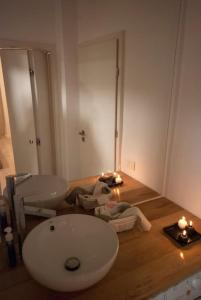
(131, 166)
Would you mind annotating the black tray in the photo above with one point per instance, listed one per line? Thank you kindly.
(174, 232)
(110, 180)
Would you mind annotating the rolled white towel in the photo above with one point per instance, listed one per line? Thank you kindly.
(143, 222)
(122, 216)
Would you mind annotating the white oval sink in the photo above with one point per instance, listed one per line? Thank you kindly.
(46, 191)
(91, 241)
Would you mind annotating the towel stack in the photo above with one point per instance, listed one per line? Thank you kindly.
(121, 215)
(90, 196)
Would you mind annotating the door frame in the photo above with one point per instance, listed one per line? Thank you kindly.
(50, 50)
(120, 38)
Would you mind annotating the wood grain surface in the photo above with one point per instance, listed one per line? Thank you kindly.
(147, 262)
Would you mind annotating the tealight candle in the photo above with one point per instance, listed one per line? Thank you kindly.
(118, 179)
(190, 227)
(182, 223)
(184, 234)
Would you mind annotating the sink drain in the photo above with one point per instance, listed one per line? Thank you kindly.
(72, 264)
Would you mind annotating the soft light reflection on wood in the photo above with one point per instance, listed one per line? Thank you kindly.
(118, 194)
(181, 255)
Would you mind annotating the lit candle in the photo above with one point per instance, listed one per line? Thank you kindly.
(115, 174)
(190, 224)
(184, 234)
(118, 179)
(182, 223)
(102, 174)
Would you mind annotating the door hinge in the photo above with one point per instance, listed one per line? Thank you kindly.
(31, 72)
(117, 72)
(116, 134)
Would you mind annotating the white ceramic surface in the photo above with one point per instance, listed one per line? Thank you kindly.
(91, 240)
(46, 191)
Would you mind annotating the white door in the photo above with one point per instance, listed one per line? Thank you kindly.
(15, 69)
(42, 105)
(97, 106)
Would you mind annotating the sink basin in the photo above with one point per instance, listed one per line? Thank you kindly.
(45, 191)
(70, 252)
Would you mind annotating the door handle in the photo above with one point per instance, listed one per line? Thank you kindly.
(38, 142)
(82, 133)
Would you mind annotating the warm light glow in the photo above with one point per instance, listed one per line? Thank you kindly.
(181, 255)
(118, 179)
(184, 233)
(115, 174)
(182, 223)
(190, 223)
(118, 193)
(102, 174)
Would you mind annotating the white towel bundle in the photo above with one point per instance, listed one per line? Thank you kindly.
(122, 216)
(97, 195)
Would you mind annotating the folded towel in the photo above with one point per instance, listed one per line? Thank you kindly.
(122, 216)
(111, 210)
(90, 196)
(72, 196)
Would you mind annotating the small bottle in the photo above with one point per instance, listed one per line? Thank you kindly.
(12, 260)
(3, 216)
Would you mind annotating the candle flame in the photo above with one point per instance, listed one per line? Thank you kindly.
(184, 218)
(184, 233)
(191, 223)
(114, 174)
(181, 255)
(102, 174)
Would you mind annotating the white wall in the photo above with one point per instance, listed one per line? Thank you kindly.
(28, 20)
(150, 35)
(184, 176)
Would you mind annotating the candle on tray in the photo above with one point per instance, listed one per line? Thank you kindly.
(190, 227)
(118, 179)
(190, 224)
(184, 235)
(182, 223)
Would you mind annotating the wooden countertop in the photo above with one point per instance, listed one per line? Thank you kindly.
(147, 262)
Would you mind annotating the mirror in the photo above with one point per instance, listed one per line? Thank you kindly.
(26, 137)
